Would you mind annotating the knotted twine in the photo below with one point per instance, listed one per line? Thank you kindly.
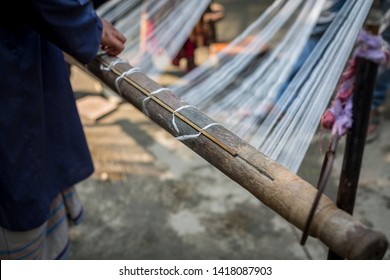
(338, 117)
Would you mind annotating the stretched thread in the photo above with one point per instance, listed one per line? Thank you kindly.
(147, 99)
(174, 116)
(112, 64)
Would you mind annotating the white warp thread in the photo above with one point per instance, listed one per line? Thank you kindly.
(193, 136)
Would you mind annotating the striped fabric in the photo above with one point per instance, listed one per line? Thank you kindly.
(50, 240)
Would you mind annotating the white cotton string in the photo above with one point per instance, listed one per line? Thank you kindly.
(112, 64)
(286, 140)
(125, 74)
(147, 99)
(257, 92)
(213, 80)
(241, 88)
(155, 29)
(174, 117)
(193, 136)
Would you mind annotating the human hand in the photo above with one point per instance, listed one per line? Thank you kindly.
(112, 41)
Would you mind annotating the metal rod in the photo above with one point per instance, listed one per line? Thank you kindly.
(322, 181)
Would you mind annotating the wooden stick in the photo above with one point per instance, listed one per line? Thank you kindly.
(278, 188)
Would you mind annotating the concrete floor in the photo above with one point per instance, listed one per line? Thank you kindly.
(153, 198)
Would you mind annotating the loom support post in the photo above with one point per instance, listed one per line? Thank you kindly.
(366, 74)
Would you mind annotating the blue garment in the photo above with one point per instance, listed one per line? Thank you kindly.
(42, 144)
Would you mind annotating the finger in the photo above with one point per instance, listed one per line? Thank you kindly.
(115, 32)
(112, 40)
(113, 50)
(118, 45)
(120, 36)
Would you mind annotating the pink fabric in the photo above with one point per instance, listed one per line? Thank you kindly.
(338, 117)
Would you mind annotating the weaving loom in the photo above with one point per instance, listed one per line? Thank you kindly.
(273, 183)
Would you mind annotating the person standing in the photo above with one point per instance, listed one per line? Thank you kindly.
(43, 150)
(203, 34)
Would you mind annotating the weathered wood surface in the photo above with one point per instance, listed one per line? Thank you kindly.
(281, 190)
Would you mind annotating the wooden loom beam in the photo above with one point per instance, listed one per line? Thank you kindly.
(278, 188)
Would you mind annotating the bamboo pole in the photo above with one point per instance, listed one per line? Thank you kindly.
(278, 188)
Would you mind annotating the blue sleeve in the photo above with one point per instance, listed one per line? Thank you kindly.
(72, 25)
